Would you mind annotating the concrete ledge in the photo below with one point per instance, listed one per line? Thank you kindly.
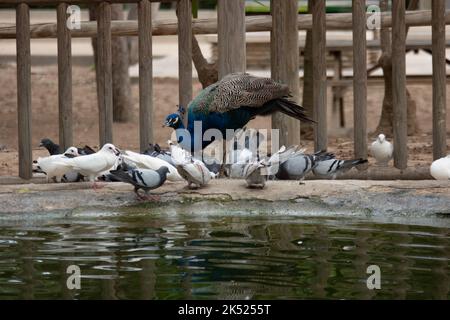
(347, 197)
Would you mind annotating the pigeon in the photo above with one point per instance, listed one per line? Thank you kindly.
(121, 164)
(93, 165)
(52, 148)
(300, 164)
(145, 179)
(333, 168)
(440, 168)
(257, 172)
(192, 170)
(144, 161)
(154, 150)
(86, 150)
(382, 150)
(51, 165)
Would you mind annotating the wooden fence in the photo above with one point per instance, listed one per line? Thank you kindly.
(231, 26)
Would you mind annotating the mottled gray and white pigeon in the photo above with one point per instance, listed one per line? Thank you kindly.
(300, 164)
(382, 150)
(145, 179)
(192, 170)
(256, 172)
(333, 168)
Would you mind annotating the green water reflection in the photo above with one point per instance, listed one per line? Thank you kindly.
(222, 257)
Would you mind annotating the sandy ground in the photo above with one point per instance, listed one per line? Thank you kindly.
(45, 115)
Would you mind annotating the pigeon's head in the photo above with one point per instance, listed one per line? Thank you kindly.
(71, 152)
(47, 143)
(163, 171)
(110, 148)
(381, 138)
(174, 121)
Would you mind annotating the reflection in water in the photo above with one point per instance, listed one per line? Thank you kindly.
(144, 256)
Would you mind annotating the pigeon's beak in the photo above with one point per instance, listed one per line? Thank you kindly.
(41, 144)
(118, 152)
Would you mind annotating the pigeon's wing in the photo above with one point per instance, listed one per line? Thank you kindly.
(148, 162)
(250, 168)
(93, 163)
(146, 178)
(237, 90)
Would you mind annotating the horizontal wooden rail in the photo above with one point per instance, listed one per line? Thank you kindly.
(341, 21)
(56, 2)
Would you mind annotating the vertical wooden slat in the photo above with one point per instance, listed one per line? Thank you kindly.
(24, 90)
(104, 62)
(185, 53)
(231, 36)
(319, 74)
(285, 63)
(359, 79)
(439, 80)
(145, 74)
(399, 84)
(338, 91)
(64, 78)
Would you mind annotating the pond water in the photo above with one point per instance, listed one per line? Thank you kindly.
(139, 255)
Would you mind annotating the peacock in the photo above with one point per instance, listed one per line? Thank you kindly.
(231, 103)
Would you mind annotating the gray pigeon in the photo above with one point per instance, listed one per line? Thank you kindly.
(300, 164)
(145, 179)
(334, 167)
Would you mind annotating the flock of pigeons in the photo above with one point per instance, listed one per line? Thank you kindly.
(151, 169)
(227, 104)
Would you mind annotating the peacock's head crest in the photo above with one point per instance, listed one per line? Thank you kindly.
(173, 120)
(181, 111)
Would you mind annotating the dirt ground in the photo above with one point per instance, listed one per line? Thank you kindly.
(45, 115)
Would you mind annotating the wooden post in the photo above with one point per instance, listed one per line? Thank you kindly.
(285, 63)
(24, 90)
(338, 91)
(145, 74)
(231, 36)
(399, 84)
(319, 74)
(439, 80)
(359, 79)
(64, 78)
(185, 53)
(104, 63)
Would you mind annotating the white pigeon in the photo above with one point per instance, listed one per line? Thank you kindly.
(51, 167)
(440, 168)
(257, 171)
(192, 170)
(382, 150)
(93, 165)
(144, 161)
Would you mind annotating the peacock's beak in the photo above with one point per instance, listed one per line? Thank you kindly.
(166, 124)
(41, 144)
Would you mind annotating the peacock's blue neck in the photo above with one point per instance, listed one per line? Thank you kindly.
(191, 137)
